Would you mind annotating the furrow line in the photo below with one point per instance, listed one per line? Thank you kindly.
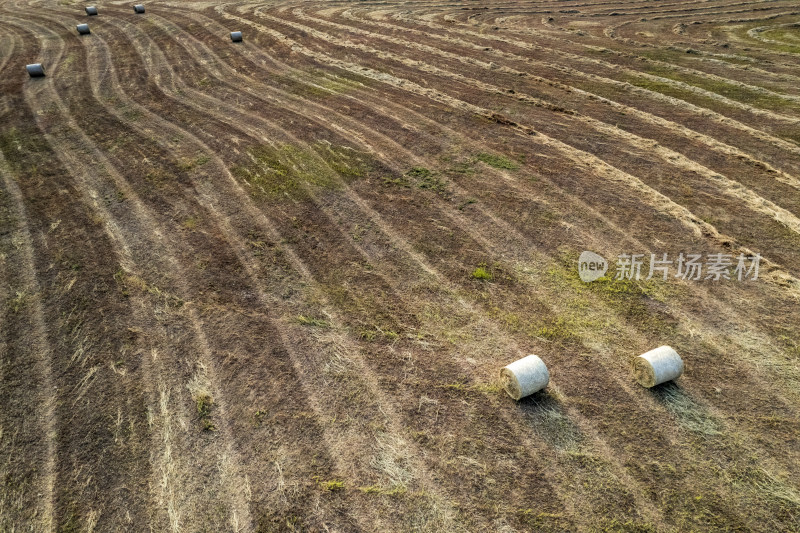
(120, 233)
(580, 158)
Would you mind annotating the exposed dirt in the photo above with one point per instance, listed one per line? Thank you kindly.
(269, 285)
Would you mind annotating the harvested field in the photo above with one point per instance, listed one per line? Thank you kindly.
(269, 285)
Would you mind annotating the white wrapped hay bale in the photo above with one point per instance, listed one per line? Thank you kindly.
(657, 366)
(35, 70)
(524, 377)
(138, 8)
(91, 11)
(236, 36)
(83, 29)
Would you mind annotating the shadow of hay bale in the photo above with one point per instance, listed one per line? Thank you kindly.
(548, 418)
(690, 414)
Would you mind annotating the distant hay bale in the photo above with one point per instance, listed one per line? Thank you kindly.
(524, 377)
(35, 70)
(236, 36)
(83, 29)
(138, 8)
(657, 366)
(91, 11)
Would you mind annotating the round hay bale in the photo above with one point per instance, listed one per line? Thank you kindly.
(657, 366)
(35, 70)
(91, 11)
(524, 377)
(236, 36)
(138, 8)
(83, 29)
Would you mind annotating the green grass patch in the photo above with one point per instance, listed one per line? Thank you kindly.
(396, 182)
(291, 171)
(368, 335)
(396, 490)
(419, 173)
(426, 179)
(433, 183)
(482, 273)
(497, 161)
(557, 328)
(274, 173)
(333, 485)
(204, 403)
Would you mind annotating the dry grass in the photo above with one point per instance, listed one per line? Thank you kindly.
(276, 282)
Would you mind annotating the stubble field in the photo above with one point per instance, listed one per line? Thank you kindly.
(269, 285)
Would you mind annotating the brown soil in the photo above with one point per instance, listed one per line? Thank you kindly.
(269, 286)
